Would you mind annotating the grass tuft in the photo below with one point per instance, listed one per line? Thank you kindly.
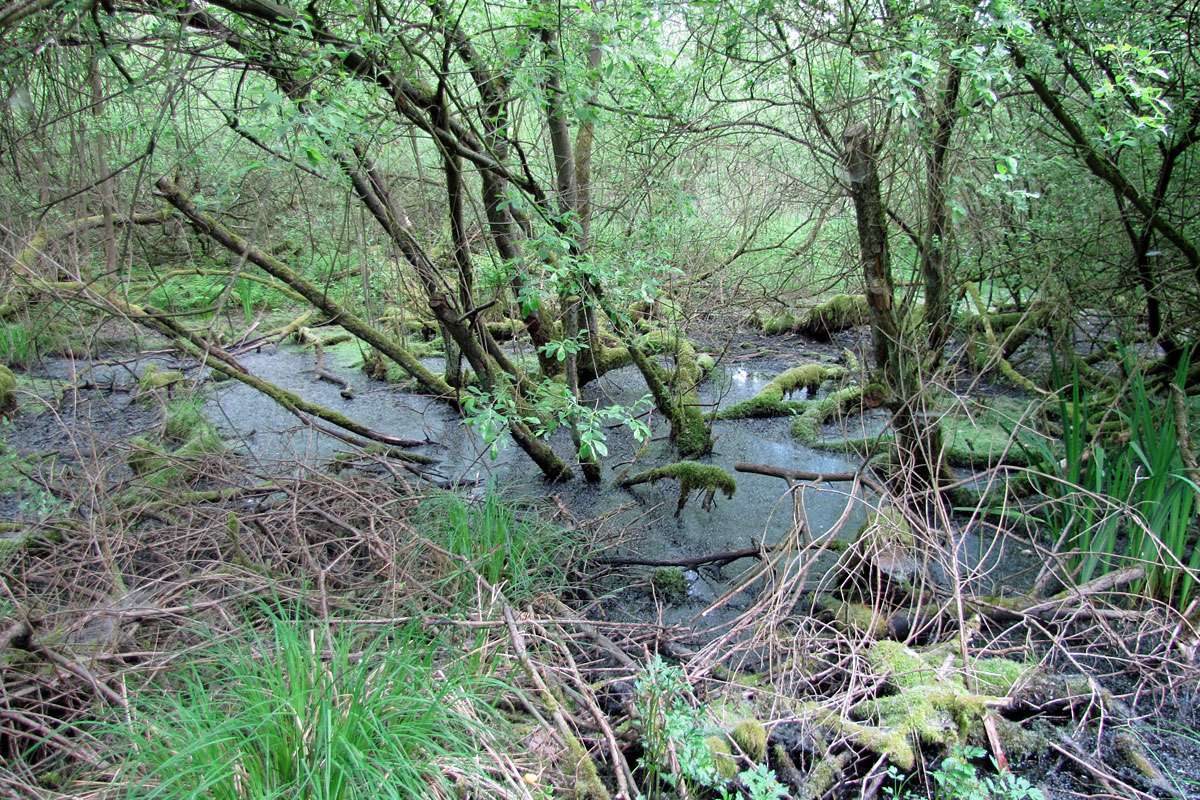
(300, 715)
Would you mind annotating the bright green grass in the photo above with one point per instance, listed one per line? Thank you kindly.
(294, 715)
(518, 553)
(1128, 501)
(21, 343)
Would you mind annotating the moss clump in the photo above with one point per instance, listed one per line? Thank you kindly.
(722, 757)
(692, 477)
(901, 666)
(838, 313)
(858, 619)
(8, 391)
(931, 700)
(670, 583)
(771, 400)
(588, 785)
(750, 736)
(998, 676)
(807, 426)
(705, 362)
(775, 324)
(154, 378)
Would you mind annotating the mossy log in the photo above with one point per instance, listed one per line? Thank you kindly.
(771, 400)
(807, 425)
(693, 477)
(838, 313)
(997, 352)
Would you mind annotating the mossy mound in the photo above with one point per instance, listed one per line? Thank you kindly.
(807, 425)
(722, 756)
(153, 378)
(750, 736)
(8, 391)
(670, 583)
(838, 313)
(930, 699)
(187, 438)
(771, 400)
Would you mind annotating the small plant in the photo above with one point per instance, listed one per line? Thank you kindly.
(958, 779)
(671, 726)
(762, 784)
(35, 501)
(670, 582)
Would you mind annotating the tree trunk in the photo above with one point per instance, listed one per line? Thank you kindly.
(918, 440)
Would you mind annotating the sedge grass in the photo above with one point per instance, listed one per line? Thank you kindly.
(297, 714)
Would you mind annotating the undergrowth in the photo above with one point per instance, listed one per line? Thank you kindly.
(1125, 499)
(304, 712)
(520, 554)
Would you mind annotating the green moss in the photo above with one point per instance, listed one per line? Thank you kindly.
(692, 437)
(775, 324)
(692, 477)
(975, 443)
(582, 768)
(182, 419)
(888, 526)
(8, 391)
(807, 426)
(771, 400)
(670, 583)
(998, 676)
(838, 313)
(722, 757)
(900, 665)
(750, 736)
(154, 378)
(705, 362)
(858, 619)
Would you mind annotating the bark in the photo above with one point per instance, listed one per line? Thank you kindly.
(873, 246)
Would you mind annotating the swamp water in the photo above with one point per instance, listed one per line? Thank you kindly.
(642, 518)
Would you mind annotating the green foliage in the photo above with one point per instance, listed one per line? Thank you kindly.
(519, 554)
(958, 779)
(35, 501)
(1124, 501)
(670, 583)
(305, 714)
(22, 343)
(671, 726)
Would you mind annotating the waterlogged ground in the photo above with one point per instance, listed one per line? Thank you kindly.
(641, 519)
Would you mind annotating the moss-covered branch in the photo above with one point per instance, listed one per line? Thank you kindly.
(692, 477)
(771, 400)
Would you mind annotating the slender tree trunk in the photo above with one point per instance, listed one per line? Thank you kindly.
(918, 440)
(934, 253)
